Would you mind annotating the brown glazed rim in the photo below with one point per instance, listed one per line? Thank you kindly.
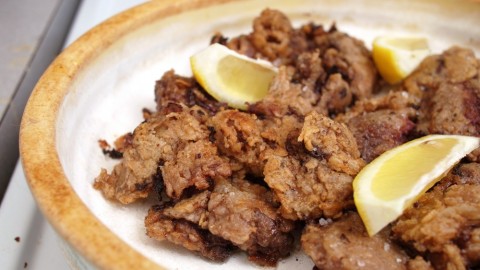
(55, 196)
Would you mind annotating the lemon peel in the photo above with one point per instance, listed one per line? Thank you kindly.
(396, 179)
(231, 77)
(397, 57)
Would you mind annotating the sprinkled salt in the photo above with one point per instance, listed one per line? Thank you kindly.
(360, 263)
(399, 260)
(324, 222)
(386, 247)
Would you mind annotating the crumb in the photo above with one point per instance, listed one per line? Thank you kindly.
(103, 144)
(17, 239)
(146, 113)
(324, 222)
(108, 150)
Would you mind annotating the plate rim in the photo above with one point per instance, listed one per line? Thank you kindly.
(55, 196)
(53, 193)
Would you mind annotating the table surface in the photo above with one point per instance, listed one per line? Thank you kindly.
(27, 241)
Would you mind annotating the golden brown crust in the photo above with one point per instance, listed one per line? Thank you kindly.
(313, 177)
(187, 235)
(47, 179)
(443, 225)
(344, 244)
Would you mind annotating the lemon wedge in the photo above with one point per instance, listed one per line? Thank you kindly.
(232, 77)
(395, 180)
(397, 57)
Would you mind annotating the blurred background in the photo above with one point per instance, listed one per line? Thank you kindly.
(32, 34)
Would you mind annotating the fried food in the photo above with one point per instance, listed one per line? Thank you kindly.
(187, 235)
(178, 145)
(314, 176)
(225, 179)
(345, 244)
(241, 213)
(379, 131)
(449, 87)
(444, 224)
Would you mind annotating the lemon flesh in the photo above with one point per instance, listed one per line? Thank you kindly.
(395, 180)
(397, 57)
(231, 77)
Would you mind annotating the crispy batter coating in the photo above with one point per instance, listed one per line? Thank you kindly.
(238, 211)
(174, 143)
(349, 57)
(275, 131)
(194, 165)
(309, 71)
(193, 209)
(455, 65)
(333, 142)
(272, 35)
(241, 213)
(395, 100)
(443, 226)
(314, 176)
(344, 244)
(419, 263)
(172, 88)
(461, 174)
(237, 135)
(448, 90)
(330, 68)
(229, 179)
(379, 131)
(186, 234)
(285, 97)
(242, 44)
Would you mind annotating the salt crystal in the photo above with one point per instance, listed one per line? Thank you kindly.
(360, 263)
(324, 222)
(386, 247)
(399, 260)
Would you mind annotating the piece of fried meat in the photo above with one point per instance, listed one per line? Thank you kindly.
(444, 224)
(344, 244)
(236, 211)
(177, 145)
(313, 177)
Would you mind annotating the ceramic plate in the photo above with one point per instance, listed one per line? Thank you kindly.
(97, 88)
